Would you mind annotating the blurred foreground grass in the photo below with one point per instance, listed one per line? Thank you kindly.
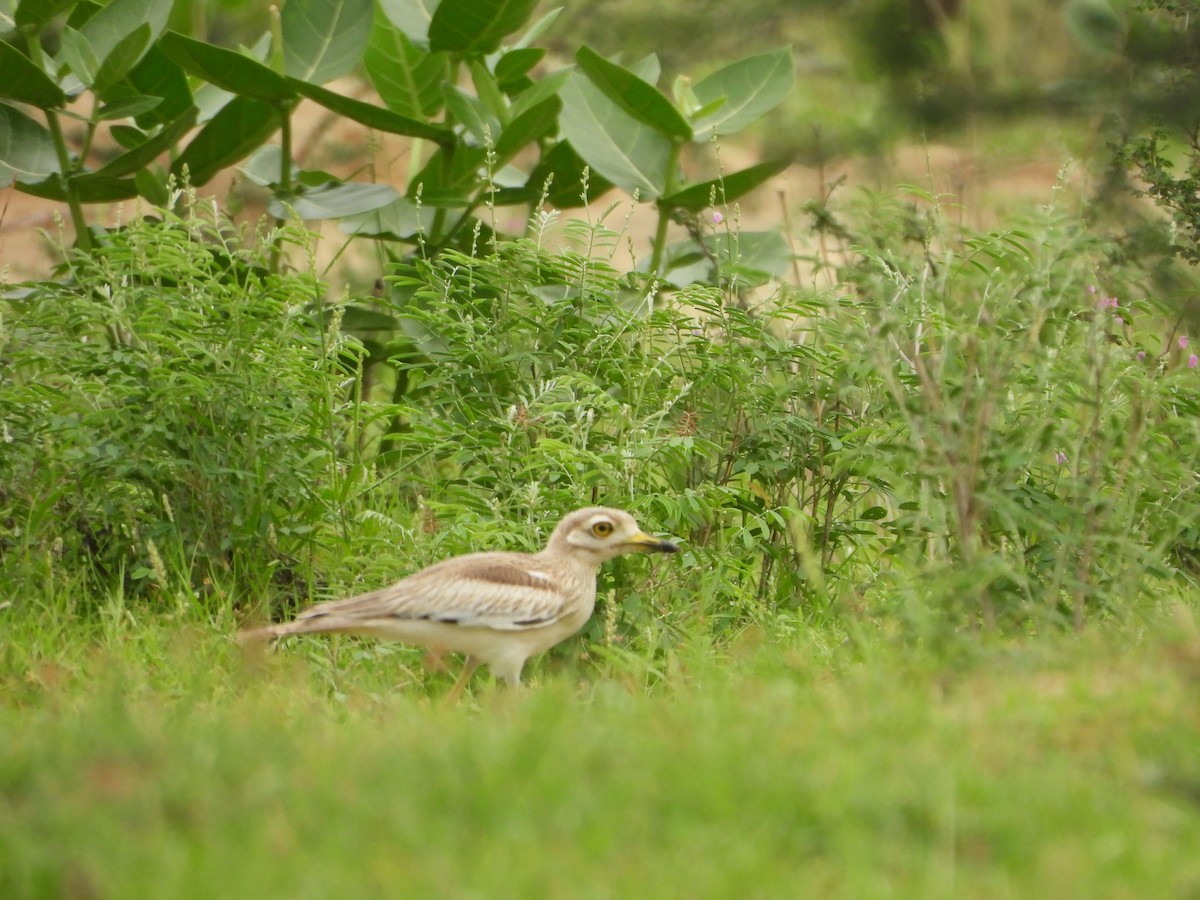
(156, 759)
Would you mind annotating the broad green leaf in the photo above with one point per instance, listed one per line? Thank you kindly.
(449, 178)
(264, 164)
(76, 51)
(648, 68)
(469, 112)
(114, 23)
(411, 16)
(488, 91)
(121, 59)
(141, 156)
(152, 185)
(751, 87)
(527, 128)
(563, 169)
(90, 188)
(128, 136)
(34, 14)
(639, 99)
(23, 81)
(399, 220)
(228, 70)
(408, 79)
(155, 76)
(540, 27)
(476, 26)
(334, 201)
(26, 148)
(240, 127)
(725, 189)
(324, 39)
(127, 108)
(542, 89)
(631, 155)
(753, 256)
(515, 64)
(373, 116)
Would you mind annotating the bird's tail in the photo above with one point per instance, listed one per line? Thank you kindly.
(308, 623)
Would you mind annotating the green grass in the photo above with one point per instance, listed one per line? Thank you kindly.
(150, 757)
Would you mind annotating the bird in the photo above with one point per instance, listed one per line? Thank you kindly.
(499, 608)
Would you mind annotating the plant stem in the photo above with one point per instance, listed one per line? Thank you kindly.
(664, 220)
(83, 236)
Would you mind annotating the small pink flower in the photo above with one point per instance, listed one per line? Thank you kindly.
(1183, 341)
(1141, 356)
(1193, 361)
(1060, 458)
(717, 218)
(1091, 289)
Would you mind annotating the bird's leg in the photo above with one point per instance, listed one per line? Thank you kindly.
(434, 660)
(468, 669)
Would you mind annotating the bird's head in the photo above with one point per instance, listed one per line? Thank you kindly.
(597, 533)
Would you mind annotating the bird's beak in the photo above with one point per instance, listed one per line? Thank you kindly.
(642, 541)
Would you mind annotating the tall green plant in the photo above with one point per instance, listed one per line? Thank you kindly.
(150, 86)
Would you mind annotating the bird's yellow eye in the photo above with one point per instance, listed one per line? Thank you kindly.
(602, 529)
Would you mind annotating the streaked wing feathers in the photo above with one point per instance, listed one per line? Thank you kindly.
(490, 590)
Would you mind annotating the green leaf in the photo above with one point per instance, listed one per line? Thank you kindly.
(753, 256)
(540, 27)
(26, 148)
(411, 16)
(114, 23)
(641, 100)
(23, 81)
(631, 155)
(482, 126)
(228, 70)
(155, 76)
(515, 64)
(476, 26)
(141, 156)
(126, 108)
(324, 39)
(373, 116)
(751, 87)
(34, 14)
(334, 201)
(488, 91)
(264, 164)
(151, 185)
(726, 189)
(540, 90)
(242, 125)
(90, 188)
(527, 128)
(564, 169)
(399, 220)
(121, 59)
(449, 179)
(76, 51)
(408, 79)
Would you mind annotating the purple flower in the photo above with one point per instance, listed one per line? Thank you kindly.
(717, 218)
(1060, 458)
(1141, 356)
(1193, 361)
(1091, 289)
(1183, 341)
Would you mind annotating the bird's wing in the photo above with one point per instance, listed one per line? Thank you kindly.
(507, 592)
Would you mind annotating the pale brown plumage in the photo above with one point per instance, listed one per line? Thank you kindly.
(498, 608)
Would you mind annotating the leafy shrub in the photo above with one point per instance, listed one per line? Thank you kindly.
(173, 400)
